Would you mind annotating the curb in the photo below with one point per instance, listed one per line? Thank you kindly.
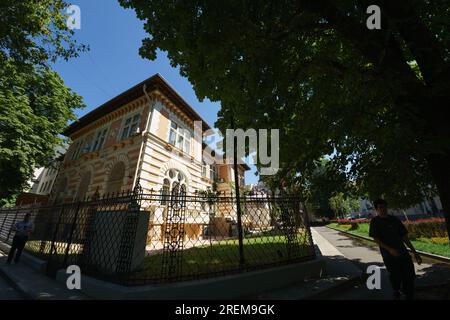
(14, 284)
(425, 254)
(17, 287)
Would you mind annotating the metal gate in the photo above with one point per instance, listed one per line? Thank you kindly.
(174, 233)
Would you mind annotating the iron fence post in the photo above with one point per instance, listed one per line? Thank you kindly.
(128, 235)
(52, 245)
(308, 228)
(90, 221)
(72, 229)
(238, 199)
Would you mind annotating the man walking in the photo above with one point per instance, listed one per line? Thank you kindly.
(391, 236)
(23, 230)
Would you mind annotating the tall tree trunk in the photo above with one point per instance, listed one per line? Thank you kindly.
(440, 170)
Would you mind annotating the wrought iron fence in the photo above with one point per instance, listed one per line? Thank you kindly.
(137, 238)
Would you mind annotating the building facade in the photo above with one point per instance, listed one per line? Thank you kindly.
(427, 208)
(145, 135)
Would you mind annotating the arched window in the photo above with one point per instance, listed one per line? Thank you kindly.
(115, 179)
(84, 185)
(174, 184)
(165, 191)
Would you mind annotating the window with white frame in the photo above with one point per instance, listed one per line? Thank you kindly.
(204, 169)
(99, 140)
(131, 126)
(209, 171)
(180, 138)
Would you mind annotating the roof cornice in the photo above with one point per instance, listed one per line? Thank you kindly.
(155, 82)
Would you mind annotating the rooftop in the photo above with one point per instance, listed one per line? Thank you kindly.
(155, 82)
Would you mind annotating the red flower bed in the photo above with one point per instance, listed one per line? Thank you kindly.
(420, 228)
(352, 221)
(425, 220)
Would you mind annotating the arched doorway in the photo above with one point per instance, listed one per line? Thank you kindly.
(115, 179)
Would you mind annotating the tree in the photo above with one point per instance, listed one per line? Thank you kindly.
(323, 183)
(373, 99)
(35, 105)
(342, 205)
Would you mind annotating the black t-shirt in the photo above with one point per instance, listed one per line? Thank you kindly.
(390, 231)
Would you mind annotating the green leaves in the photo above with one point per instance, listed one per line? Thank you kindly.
(35, 104)
(34, 110)
(314, 71)
(343, 205)
(35, 32)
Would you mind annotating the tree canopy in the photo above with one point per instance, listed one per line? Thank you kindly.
(373, 100)
(35, 104)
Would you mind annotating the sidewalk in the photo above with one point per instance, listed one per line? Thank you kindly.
(341, 274)
(33, 285)
(429, 273)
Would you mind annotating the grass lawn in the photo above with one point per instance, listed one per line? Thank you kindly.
(224, 255)
(363, 230)
(34, 246)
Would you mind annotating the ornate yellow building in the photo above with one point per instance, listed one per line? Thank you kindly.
(145, 134)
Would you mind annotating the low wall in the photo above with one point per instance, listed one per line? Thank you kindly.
(242, 285)
(109, 240)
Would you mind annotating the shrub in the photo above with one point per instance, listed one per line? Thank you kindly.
(352, 224)
(347, 226)
(426, 228)
(435, 240)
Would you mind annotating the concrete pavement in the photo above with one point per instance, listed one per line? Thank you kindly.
(346, 260)
(30, 284)
(7, 290)
(363, 254)
(340, 274)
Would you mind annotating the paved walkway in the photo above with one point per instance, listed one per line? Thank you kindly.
(7, 292)
(30, 284)
(361, 254)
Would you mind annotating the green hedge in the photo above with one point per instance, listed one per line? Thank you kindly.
(430, 228)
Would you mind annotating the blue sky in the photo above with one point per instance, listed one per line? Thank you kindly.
(113, 64)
